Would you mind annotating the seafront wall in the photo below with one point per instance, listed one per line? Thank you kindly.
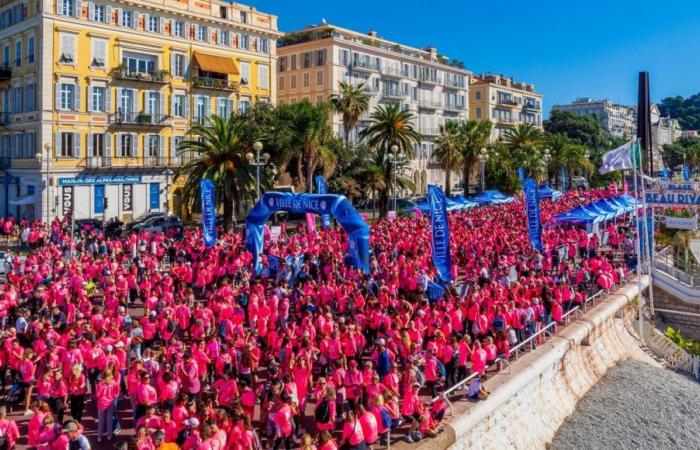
(530, 400)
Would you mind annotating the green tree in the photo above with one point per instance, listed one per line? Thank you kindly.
(219, 156)
(351, 103)
(447, 151)
(390, 125)
(522, 135)
(686, 110)
(304, 133)
(474, 135)
(684, 150)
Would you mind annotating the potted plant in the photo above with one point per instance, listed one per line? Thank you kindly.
(144, 118)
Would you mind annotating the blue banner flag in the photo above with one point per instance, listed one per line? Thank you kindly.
(665, 174)
(563, 180)
(208, 212)
(686, 173)
(532, 205)
(441, 233)
(646, 239)
(521, 174)
(322, 188)
(435, 292)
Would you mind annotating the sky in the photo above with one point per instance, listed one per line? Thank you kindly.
(568, 49)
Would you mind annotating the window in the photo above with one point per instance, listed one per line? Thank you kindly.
(18, 54)
(222, 12)
(244, 42)
(245, 73)
(306, 58)
(97, 99)
(30, 97)
(179, 65)
(477, 95)
(67, 48)
(320, 57)
(280, 83)
(17, 102)
(153, 24)
(127, 19)
(344, 57)
(201, 108)
(99, 13)
(67, 96)
(67, 7)
(282, 64)
(138, 63)
(179, 28)
(293, 59)
(223, 37)
(126, 145)
(243, 104)
(319, 78)
(306, 79)
(6, 56)
(264, 45)
(152, 103)
(293, 82)
(478, 113)
(178, 105)
(244, 17)
(263, 78)
(222, 107)
(30, 50)
(67, 145)
(319, 99)
(201, 33)
(29, 145)
(99, 52)
(153, 147)
(96, 145)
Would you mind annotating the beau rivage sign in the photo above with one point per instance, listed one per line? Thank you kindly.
(674, 194)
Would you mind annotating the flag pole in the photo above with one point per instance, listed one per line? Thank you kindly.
(649, 233)
(638, 241)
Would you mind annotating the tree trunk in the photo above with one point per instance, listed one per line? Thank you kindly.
(448, 179)
(310, 169)
(228, 214)
(374, 203)
(383, 203)
(300, 174)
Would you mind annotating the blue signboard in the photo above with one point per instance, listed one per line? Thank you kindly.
(99, 206)
(208, 193)
(532, 211)
(154, 196)
(101, 179)
(440, 232)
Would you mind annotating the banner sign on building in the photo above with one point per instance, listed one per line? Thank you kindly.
(673, 198)
(99, 205)
(681, 223)
(127, 198)
(322, 188)
(440, 232)
(532, 204)
(208, 212)
(101, 179)
(68, 200)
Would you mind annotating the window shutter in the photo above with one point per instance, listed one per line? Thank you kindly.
(135, 20)
(90, 149)
(78, 9)
(161, 142)
(161, 105)
(135, 147)
(89, 98)
(76, 145)
(186, 30)
(172, 64)
(91, 11)
(161, 24)
(77, 97)
(172, 27)
(172, 105)
(207, 34)
(119, 100)
(231, 38)
(119, 16)
(173, 148)
(187, 67)
(58, 97)
(147, 22)
(187, 107)
(146, 104)
(229, 107)
(207, 107)
(108, 99)
(134, 103)
(108, 15)
(108, 145)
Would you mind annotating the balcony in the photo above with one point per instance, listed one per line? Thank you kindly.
(450, 107)
(394, 94)
(365, 66)
(214, 84)
(138, 120)
(5, 73)
(135, 162)
(158, 77)
(428, 103)
(433, 81)
(393, 72)
(426, 131)
(507, 101)
(535, 106)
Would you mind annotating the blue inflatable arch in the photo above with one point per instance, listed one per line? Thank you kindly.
(336, 205)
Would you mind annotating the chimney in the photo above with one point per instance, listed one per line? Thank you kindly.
(432, 51)
(372, 33)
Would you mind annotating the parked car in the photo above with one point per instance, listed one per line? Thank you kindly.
(160, 223)
(579, 183)
(141, 219)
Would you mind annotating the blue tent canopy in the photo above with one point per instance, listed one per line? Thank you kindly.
(598, 211)
(548, 192)
(452, 205)
(492, 198)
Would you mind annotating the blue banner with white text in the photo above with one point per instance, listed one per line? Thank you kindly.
(665, 174)
(441, 232)
(208, 212)
(521, 174)
(435, 292)
(686, 172)
(322, 188)
(532, 204)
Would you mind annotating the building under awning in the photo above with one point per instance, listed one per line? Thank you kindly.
(217, 64)
(26, 200)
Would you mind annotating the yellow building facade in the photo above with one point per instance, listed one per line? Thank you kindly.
(117, 85)
(505, 102)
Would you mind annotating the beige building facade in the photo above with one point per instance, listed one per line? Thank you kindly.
(312, 62)
(618, 120)
(505, 102)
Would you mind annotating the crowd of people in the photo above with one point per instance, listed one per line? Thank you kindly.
(171, 344)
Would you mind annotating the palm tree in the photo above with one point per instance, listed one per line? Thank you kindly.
(351, 103)
(390, 126)
(305, 134)
(565, 153)
(447, 152)
(557, 144)
(220, 156)
(522, 135)
(474, 135)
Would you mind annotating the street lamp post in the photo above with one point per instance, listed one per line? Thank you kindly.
(394, 159)
(39, 157)
(265, 157)
(483, 158)
(546, 157)
(168, 173)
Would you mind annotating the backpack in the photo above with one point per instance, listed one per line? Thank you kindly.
(222, 330)
(499, 323)
(386, 418)
(441, 368)
(383, 363)
(323, 412)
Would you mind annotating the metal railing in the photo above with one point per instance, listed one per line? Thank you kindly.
(365, 65)
(5, 72)
(507, 101)
(431, 80)
(138, 119)
(149, 77)
(429, 103)
(393, 71)
(665, 261)
(109, 162)
(214, 84)
(394, 93)
(531, 105)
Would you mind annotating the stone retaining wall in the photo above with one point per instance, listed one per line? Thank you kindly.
(688, 325)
